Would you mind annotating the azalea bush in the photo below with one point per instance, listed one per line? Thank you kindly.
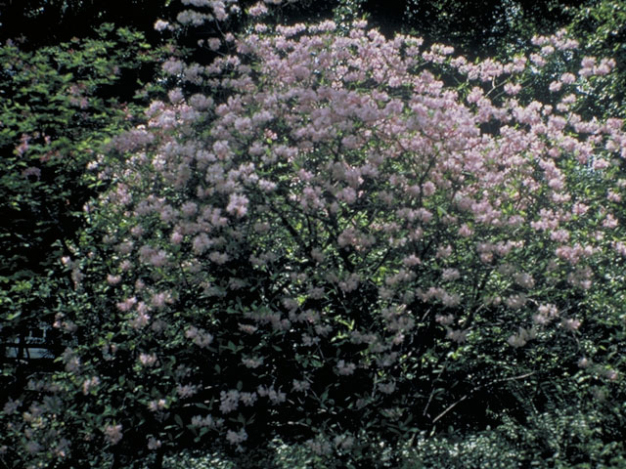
(372, 252)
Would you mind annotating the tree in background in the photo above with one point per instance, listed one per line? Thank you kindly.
(486, 27)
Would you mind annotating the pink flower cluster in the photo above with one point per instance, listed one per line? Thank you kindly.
(338, 192)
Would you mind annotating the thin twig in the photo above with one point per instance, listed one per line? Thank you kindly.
(452, 406)
(432, 394)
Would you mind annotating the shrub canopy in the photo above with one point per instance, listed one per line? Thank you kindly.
(344, 240)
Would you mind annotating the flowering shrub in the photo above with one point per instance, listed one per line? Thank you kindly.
(335, 247)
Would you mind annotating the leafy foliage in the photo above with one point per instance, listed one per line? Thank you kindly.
(59, 107)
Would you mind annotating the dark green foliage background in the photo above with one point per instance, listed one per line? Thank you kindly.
(75, 73)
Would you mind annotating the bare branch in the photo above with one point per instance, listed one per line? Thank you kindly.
(453, 405)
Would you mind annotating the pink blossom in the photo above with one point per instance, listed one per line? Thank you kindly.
(546, 313)
(113, 433)
(147, 359)
(560, 236)
(571, 324)
(516, 301)
(154, 444)
(159, 300)
(301, 386)
(610, 221)
(275, 397)
(113, 279)
(600, 163)
(11, 406)
(580, 208)
(252, 362)
(450, 274)
(538, 60)
(428, 188)
(32, 171)
(33, 447)
(555, 86)
(173, 67)
(159, 259)
(161, 25)
(344, 368)
(206, 421)
(127, 304)
(248, 398)
(176, 238)
(520, 339)
(201, 243)
(219, 257)
(512, 88)
(157, 405)
(614, 196)
(583, 362)
(258, 9)
(235, 438)
(237, 205)
(141, 320)
(90, 383)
